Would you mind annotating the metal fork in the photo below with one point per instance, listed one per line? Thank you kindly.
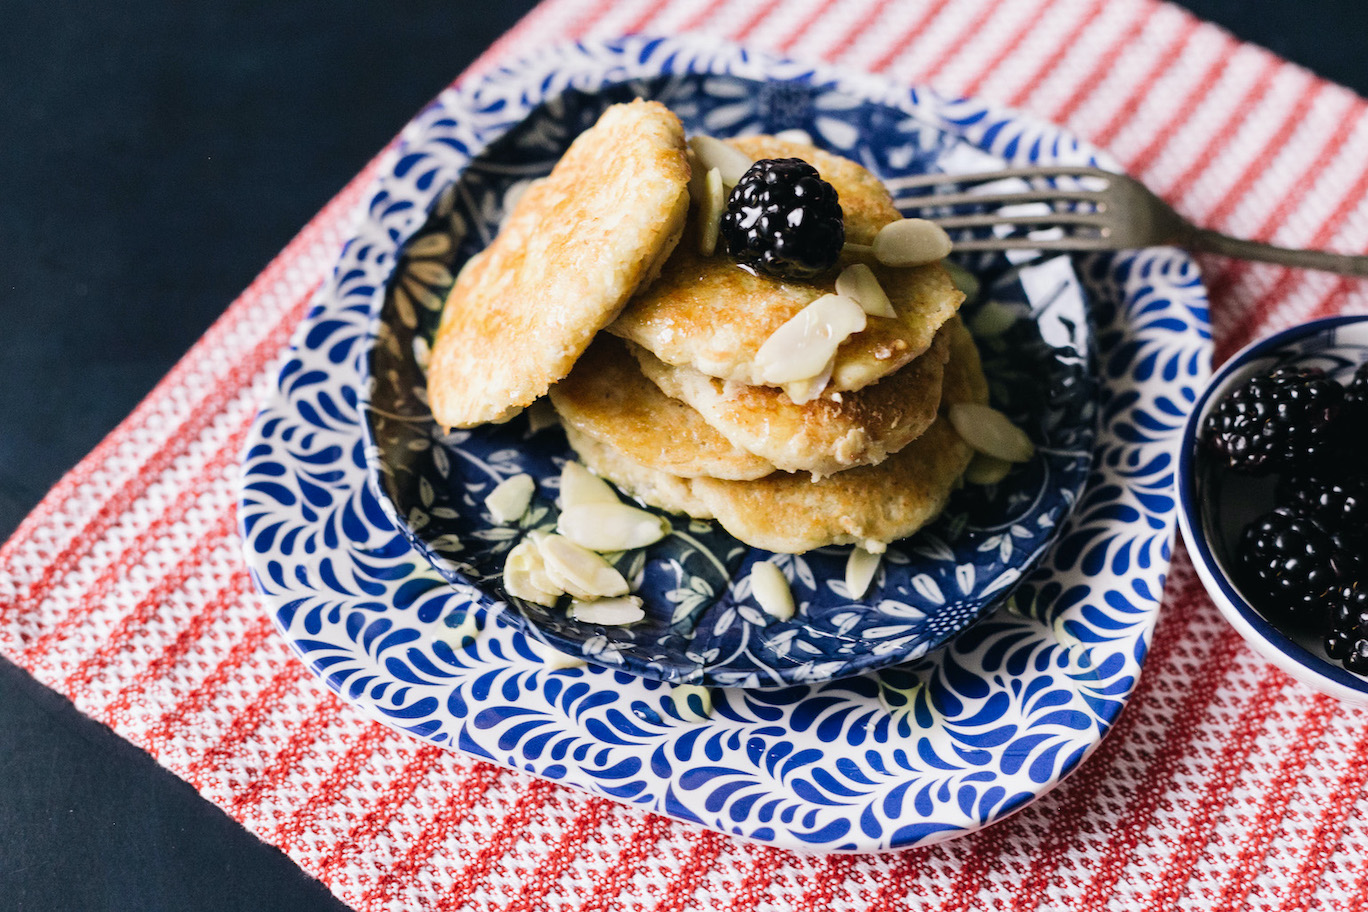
(1064, 208)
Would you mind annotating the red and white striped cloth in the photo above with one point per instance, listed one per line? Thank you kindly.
(1224, 786)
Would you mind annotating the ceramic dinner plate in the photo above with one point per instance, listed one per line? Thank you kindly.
(703, 624)
(943, 743)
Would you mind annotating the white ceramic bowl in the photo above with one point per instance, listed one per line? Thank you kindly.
(1215, 504)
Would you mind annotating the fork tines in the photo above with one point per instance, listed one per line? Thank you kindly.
(941, 179)
(1045, 208)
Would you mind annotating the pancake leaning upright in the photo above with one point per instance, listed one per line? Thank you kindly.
(576, 247)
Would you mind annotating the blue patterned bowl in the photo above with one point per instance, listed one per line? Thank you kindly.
(894, 758)
(1215, 505)
(703, 624)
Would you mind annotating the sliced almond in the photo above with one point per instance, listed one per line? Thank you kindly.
(540, 579)
(860, 569)
(859, 283)
(578, 485)
(610, 612)
(804, 391)
(989, 431)
(611, 526)
(911, 242)
(801, 348)
(731, 163)
(536, 570)
(525, 575)
(986, 470)
(711, 207)
(579, 571)
(771, 590)
(696, 175)
(510, 498)
(963, 279)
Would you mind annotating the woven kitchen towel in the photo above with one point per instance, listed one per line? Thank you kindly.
(1224, 785)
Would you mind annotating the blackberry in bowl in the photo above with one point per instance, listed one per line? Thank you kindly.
(1284, 419)
(1272, 486)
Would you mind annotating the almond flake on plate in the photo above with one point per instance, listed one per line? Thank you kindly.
(610, 612)
(510, 498)
(860, 569)
(541, 415)
(553, 659)
(963, 279)
(579, 571)
(578, 486)
(771, 589)
(990, 432)
(525, 575)
(611, 526)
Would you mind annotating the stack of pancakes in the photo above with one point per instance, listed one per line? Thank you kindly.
(669, 403)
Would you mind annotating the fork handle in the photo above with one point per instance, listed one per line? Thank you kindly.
(1214, 242)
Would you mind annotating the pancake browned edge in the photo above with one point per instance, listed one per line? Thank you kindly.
(829, 434)
(708, 314)
(606, 397)
(651, 486)
(788, 513)
(577, 245)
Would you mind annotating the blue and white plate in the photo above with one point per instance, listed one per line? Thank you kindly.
(703, 625)
(897, 757)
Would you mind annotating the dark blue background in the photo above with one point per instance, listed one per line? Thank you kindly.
(224, 127)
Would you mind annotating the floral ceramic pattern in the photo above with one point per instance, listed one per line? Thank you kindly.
(898, 757)
(703, 625)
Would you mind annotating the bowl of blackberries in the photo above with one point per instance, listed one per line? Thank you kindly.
(1273, 499)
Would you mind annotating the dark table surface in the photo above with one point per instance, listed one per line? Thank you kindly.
(225, 126)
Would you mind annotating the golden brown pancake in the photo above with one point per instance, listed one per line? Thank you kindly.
(577, 245)
(789, 513)
(651, 486)
(712, 315)
(606, 397)
(828, 434)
